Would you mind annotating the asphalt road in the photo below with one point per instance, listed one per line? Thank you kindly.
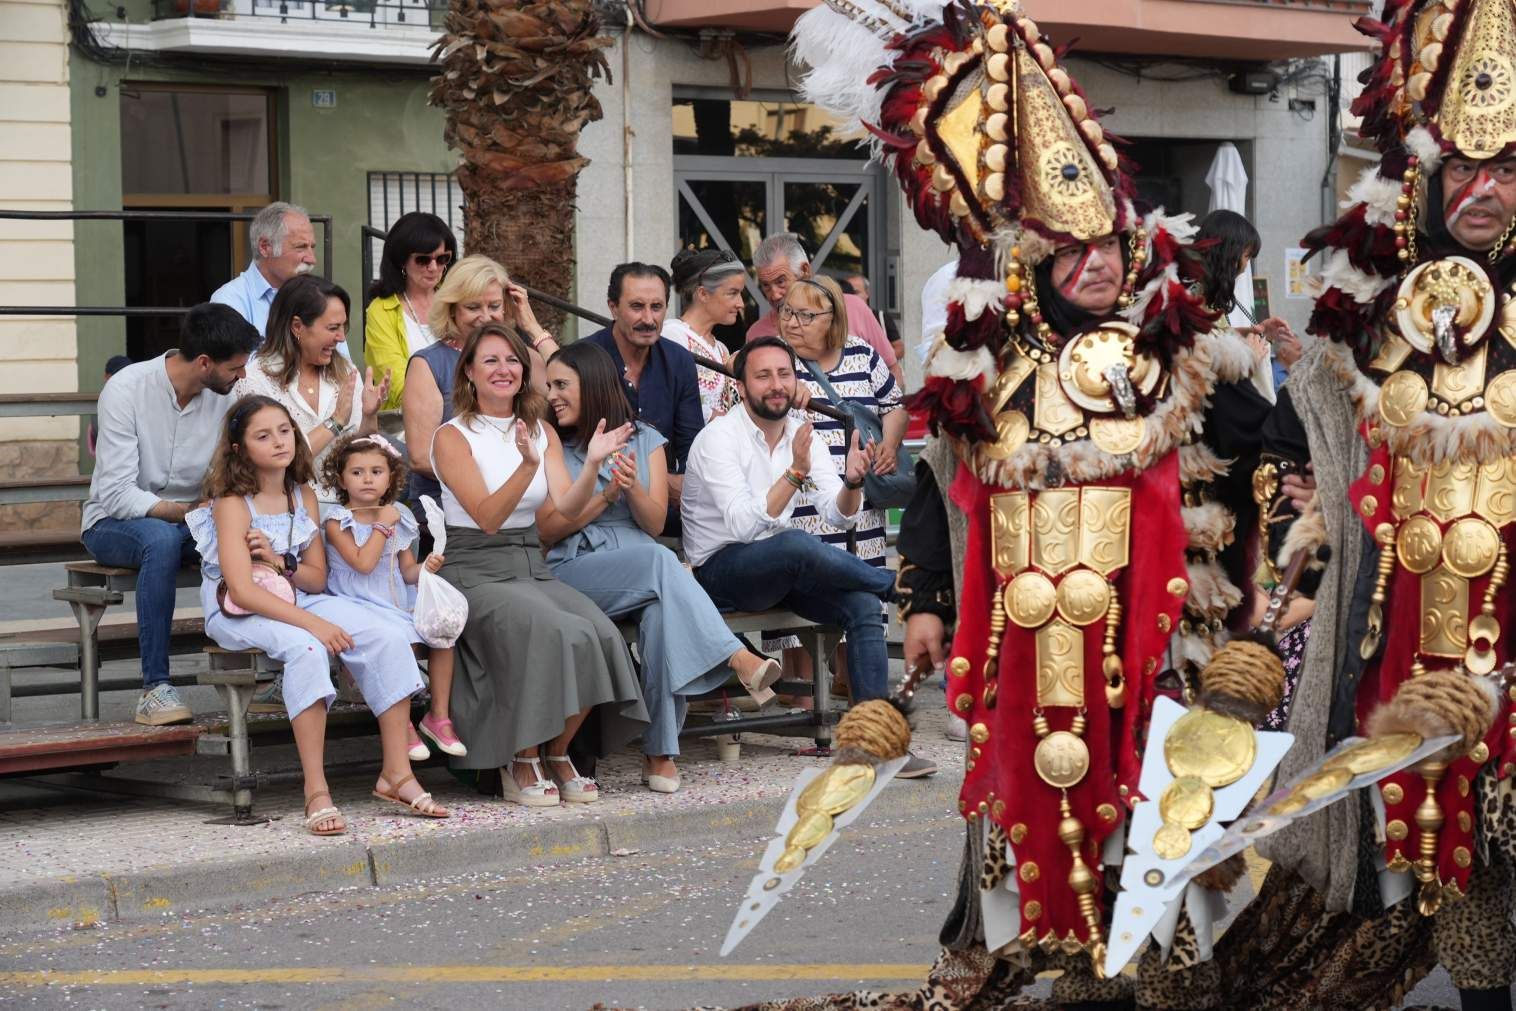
(620, 932)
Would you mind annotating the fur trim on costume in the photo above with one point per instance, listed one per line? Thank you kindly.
(976, 296)
(1212, 594)
(1232, 359)
(1439, 702)
(1211, 526)
(1423, 145)
(962, 365)
(1429, 438)
(1197, 462)
(1307, 533)
(1196, 648)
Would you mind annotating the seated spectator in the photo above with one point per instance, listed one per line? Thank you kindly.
(417, 251)
(536, 656)
(608, 553)
(748, 472)
(859, 285)
(476, 291)
(658, 376)
(153, 452)
(299, 367)
(710, 283)
(284, 247)
(779, 261)
(113, 365)
(264, 587)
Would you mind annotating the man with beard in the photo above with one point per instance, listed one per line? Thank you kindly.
(748, 470)
(1405, 409)
(658, 376)
(158, 421)
(284, 247)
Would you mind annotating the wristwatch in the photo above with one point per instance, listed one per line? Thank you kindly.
(336, 427)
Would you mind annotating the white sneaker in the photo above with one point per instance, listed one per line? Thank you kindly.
(957, 728)
(162, 706)
(269, 698)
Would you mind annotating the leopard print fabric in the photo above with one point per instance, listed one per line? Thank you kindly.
(996, 863)
(1474, 937)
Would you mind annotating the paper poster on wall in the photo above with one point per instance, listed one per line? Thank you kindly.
(1299, 283)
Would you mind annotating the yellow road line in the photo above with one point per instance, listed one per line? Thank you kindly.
(761, 972)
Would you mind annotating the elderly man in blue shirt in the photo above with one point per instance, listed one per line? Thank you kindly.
(284, 246)
(657, 375)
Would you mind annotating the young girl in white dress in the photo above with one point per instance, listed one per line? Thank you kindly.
(372, 535)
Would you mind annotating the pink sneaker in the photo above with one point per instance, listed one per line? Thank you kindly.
(418, 750)
(440, 733)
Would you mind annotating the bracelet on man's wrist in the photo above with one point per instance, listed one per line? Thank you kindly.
(336, 427)
(795, 478)
(850, 486)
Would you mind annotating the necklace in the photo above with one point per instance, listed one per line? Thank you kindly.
(420, 323)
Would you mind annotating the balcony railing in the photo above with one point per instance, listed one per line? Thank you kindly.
(367, 13)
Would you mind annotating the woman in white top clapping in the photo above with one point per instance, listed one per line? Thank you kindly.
(709, 283)
(536, 655)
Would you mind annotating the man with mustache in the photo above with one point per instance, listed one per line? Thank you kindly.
(657, 375)
(158, 420)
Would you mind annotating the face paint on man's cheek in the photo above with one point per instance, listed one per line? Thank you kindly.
(1477, 188)
(1071, 283)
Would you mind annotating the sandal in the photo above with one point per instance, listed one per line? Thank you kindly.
(579, 789)
(421, 805)
(441, 733)
(314, 818)
(416, 749)
(542, 793)
(757, 683)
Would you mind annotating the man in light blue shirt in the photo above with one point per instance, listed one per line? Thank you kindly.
(159, 420)
(284, 246)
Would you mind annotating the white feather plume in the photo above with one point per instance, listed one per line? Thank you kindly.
(947, 363)
(1337, 271)
(1424, 146)
(975, 296)
(1377, 194)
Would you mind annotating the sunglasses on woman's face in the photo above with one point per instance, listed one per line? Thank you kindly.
(426, 259)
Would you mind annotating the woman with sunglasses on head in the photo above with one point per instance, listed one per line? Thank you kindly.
(709, 283)
(417, 252)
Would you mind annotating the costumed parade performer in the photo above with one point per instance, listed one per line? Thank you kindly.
(1405, 406)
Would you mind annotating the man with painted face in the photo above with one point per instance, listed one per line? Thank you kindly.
(1092, 440)
(1405, 406)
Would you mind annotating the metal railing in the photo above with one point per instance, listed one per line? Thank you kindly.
(365, 13)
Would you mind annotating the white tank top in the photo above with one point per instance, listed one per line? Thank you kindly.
(493, 443)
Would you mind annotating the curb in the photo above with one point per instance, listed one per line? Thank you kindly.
(152, 893)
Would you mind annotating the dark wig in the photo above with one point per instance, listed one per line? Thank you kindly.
(1224, 238)
(600, 394)
(416, 232)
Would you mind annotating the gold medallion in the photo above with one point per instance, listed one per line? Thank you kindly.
(1061, 759)
(1011, 430)
(1500, 398)
(1419, 544)
(1086, 364)
(808, 832)
(790, 859)
(836, 789)
(1484, 631)
(1083, 597)
(1470, 547)
(1323, 783)
(1452, 284)
(1187, 802)
(1375, 753)
(1117, 436)
(1218, 750)
(1289, 804)
(1171, 841)
(1030, 599)
(1403, 396)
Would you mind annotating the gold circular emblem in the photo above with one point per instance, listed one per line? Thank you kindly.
(1085, 364)
(1218, 750)
(1178, 587)
(1171, 841)
(1396, 830)
(790, 859)
(1500, 397)
(1403, 396)
(1083, 597)
(1479, 662)
(1188, 802)
(1419, 544)
(1452, 284)
(1470, 547)
(1061, 759)
(1323, 783)
(808, 832)
(1030, 599)
(1374, 754)
(979, 733)
(1484, 630)
(1117, 435)
(1393, 794)
(964, 702)
(960, 666)
(1011, 430)
(836, 789)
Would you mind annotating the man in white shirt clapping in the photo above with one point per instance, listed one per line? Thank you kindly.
(747, 472)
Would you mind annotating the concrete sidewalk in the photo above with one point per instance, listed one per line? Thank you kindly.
(71, 859)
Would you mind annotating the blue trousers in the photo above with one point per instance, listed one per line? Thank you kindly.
(802, 573)
(157, 549)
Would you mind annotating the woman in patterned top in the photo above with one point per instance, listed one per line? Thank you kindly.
(709, 283)
(813, 319)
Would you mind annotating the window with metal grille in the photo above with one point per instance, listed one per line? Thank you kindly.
(391, 194)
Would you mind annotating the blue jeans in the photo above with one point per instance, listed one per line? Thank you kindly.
(157, 549)
(816, 581)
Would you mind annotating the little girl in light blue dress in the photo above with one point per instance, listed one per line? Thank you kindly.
(368, 475)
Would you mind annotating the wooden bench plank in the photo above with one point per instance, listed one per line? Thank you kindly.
(71, 745)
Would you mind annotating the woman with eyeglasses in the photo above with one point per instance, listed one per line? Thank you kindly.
(417, 252)
(709, 283)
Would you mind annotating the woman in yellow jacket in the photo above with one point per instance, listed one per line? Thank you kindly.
(417, 252)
